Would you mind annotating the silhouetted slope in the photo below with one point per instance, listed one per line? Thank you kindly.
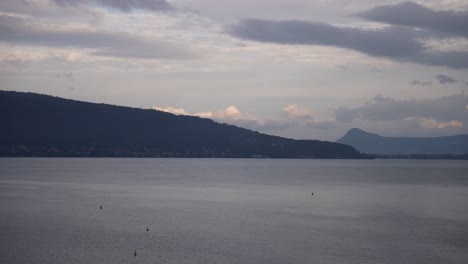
(41, 125)
(374, 144)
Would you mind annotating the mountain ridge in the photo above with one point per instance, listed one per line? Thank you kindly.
(372, 143)
(44, 125)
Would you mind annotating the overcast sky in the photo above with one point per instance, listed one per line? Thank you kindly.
(295, 68)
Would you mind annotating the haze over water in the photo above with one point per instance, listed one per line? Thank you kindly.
(233, 211)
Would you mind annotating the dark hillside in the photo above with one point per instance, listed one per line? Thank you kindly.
(41, 125)
(375, 144)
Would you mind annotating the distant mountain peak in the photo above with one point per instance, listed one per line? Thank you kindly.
(356, 134)
(375, 144)
(354, 131)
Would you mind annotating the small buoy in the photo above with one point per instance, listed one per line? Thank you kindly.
(445, 185)
(312, 194)
(147, 229)
(100, 207)
(134, 253)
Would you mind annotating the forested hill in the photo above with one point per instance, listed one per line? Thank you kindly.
(42, 125)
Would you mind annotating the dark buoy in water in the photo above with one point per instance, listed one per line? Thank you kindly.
(134, 253)
(100, 207)
(147, 229)
(312, 194)
(445, 185)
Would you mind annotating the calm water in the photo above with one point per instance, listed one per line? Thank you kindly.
(233, 211)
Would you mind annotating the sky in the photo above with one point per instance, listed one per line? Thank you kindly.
(305, 69)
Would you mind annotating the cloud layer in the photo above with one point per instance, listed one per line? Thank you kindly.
(403, 41)
(16, 30)
(291, 116)
(123, 5)
(445, 79)
(441, 110)
(447, 22)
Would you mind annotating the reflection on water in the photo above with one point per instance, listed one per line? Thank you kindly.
(233, 211)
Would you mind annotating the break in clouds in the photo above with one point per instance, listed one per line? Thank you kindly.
(401, 40)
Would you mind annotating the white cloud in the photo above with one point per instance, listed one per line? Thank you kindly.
(173, 110)
(294, 110)
(230, 114)
(291, 116)
(433, 123)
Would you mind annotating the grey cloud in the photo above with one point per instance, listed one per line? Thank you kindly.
(392, 41)
(66, 76)
(447, 22)
(397, 43)
(123, 5)
(48, 10)
(421, 83)
(451, 59)
(69, 78)
(444, 79)
(381, 108)
(344, 67)
(15, 30)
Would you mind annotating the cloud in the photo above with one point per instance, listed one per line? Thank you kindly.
(172, 110)
(123, 5)
(397, 43)
(391, 41)
(181, 111)
(49, 10)
(292, 115)
(432, 123)
(344, 67)
(444, 79)
(441, 79)
(231, 113)
(446, 22)
(68, 77)
(421, 83)
(16, 30)
(65, 76)
(437, 112)
(294, 110)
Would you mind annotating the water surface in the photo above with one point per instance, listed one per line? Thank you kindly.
(233, 211)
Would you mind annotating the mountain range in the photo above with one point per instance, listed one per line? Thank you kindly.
(375, 144)
(43, 125)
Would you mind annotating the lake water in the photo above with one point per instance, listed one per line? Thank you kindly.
(233, 211)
